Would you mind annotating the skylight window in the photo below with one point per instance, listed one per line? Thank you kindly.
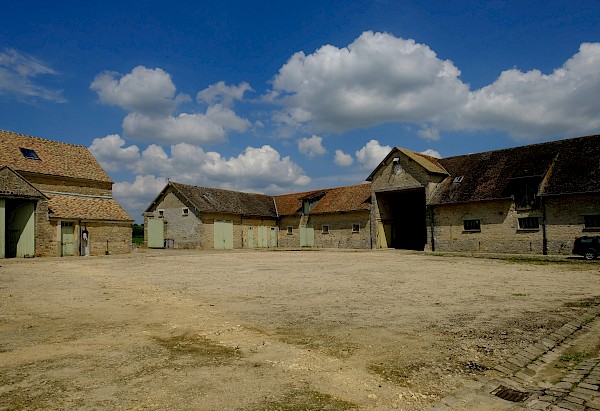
(29, 153)
(458, 179)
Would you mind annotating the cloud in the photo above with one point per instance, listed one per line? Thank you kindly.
(149, 95)
(432, 153)
(144, 91)
(532, 104)
(17, 74)
(136, 197)
(110, 153)
(342, 159)
(372, 154)
(378, 78)
(222, 93)
(311, 146)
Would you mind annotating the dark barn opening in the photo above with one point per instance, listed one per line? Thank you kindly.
(403, 217)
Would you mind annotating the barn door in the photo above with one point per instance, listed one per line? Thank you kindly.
(155, 233)
(263, 236)
(20, 241)
(307, 236)
(67, 238)
(250, 237)
(273, 239)
(223, 235)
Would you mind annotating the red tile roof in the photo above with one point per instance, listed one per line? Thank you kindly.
(339, 199)
(86, 208)
(55, 158)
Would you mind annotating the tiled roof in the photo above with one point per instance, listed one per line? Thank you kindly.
(55, 158)
(339, 199)
(86, 208)
(564, 166)
(429, 163)
(216, 200)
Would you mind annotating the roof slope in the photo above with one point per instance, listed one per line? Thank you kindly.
(216, 200)
(339, 199)
(567, 166)
(86, 208)
(431, 164)
(59, 159)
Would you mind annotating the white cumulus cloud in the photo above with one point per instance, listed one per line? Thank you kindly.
(110, 153)
(342, 159)
(149, 95)
(378, 78)
(311, 146)
(432, 153)
(372, 154)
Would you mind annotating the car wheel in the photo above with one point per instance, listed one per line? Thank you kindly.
(590, 255)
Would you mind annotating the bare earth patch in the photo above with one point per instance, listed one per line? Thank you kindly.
(274, 330)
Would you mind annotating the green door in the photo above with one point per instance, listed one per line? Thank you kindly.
(263, 236)
(250, 237)
(67, 238)
(21, 228)
(307, 236)
(223, 235)
(156, 233)
(273, 239)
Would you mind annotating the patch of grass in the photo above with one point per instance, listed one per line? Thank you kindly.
(395, 373)
(306, 400)
(571, 359)
(200, 347)
(519, 295)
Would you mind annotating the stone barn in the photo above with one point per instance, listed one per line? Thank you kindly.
(328, 218)
(56, 200)
(530, 199)
(185, 216)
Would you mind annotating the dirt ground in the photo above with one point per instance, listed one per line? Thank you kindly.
(270, 330)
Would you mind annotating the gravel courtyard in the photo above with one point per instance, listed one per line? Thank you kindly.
(271, 330)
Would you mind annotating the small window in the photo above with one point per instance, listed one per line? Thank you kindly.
(29, 153)
(529, 223)
(185, 211)
(355, 227)
(161, 213)
(472, 225)
(458, 179)
(591, 221)
(325, 229)
(290, 230)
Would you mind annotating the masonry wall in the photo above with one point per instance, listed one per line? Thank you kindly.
(46, 241)
(340, 233)
(565, 220)
(112, 237)
(499, 233)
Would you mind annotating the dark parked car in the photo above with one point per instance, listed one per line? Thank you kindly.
(588, 247)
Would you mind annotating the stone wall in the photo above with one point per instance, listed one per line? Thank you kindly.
(46, 239)
(340, 233)
(565, 220)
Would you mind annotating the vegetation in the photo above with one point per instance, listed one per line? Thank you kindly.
(137, 234)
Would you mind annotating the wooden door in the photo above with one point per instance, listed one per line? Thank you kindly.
(156, 233)
(223, 235)
(67, 238)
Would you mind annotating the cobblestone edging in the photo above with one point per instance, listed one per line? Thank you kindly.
(578, 391)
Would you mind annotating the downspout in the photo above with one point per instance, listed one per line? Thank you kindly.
(431, 222)
(544, 235)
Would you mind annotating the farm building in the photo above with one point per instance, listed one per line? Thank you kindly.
(330, 218)
(530, 199)
(185, 216)
(56, 200)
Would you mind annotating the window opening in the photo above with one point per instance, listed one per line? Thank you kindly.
(161, 213)
(29, 153)
(472, 225)
(529, 223)
(355, 227)
(290, 230)
(325, 229)
(185, 211)
(591, 221)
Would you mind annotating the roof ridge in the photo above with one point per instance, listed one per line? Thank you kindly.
(217, 188)
(41, 138)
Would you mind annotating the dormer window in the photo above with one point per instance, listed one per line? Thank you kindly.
(29, 153)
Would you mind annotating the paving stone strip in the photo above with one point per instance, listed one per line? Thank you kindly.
(512, 380)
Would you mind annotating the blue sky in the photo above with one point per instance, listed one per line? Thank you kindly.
(290, 96)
